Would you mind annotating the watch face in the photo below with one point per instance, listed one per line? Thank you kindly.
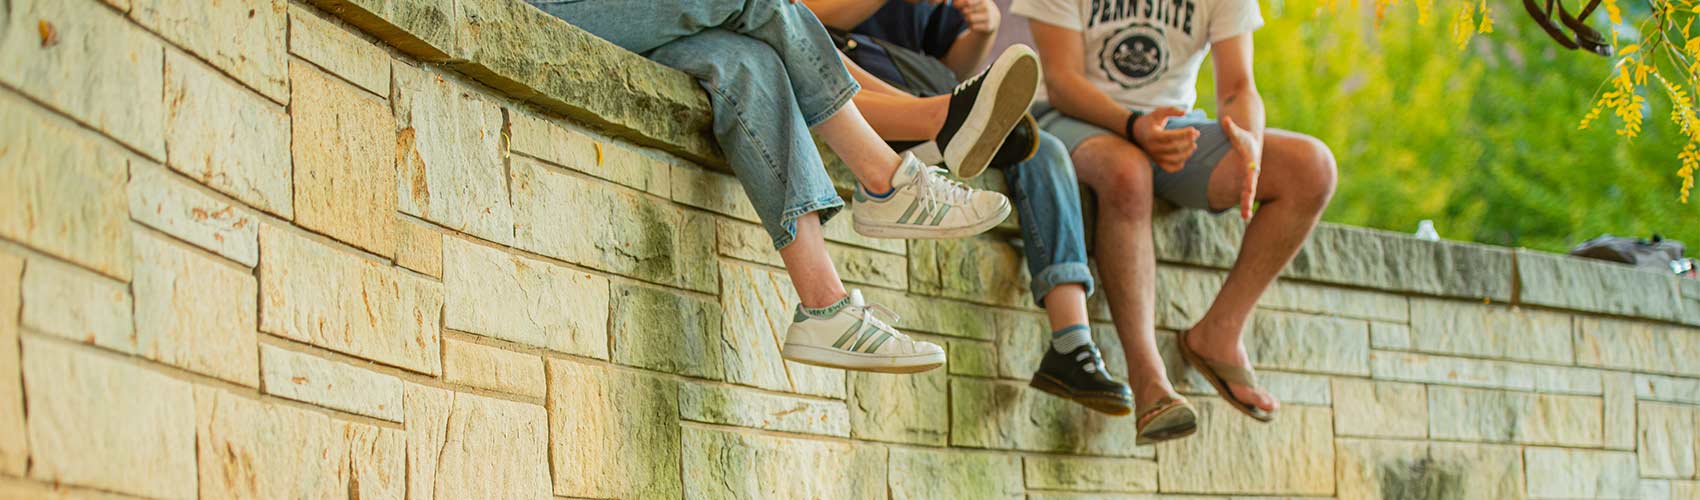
(1135, 55)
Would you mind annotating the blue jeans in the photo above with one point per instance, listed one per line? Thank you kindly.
(771, 73)
(1047, 199)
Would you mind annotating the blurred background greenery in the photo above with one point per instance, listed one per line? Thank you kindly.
(1483, 140)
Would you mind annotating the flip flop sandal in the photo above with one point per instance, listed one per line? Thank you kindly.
(1220, 375)
(1172, 418)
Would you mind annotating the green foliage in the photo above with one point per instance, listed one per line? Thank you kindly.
(1484, 141)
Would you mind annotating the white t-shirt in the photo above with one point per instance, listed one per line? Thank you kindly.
(1146, 53)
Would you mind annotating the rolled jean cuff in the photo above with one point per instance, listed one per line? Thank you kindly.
(848, 91)
(786, 231)
(1061, 274)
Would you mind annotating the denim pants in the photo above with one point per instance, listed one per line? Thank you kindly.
(771, 73)
(1047, 199)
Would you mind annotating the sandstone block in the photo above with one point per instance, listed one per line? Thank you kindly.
(524, 51)
(725, 405)
(312, 291)
(1183, 294)
(338, 50)
(1514, 417)
(345, 174)
(68, 302)
(664, 331)
(716, 192)
(1669, 440)
(1469, 372)
(177, 207)
(922, 473)
(1581, 284)
(1451, 327)
(1619, 393)
(722, 465)
(104, 423)
(974, 269)
(419, 246)
(855, 265)
(1052, 472)
(552, 140)
(14, 436)
(491, 292)
(1011, 416)
(1414, 469)
(243, 38)
(251, 449)
(583, 222)
(757, 306)
(468, 446)
(1380, 409)
(900, 408)
(422, 28)
(1298, 296)
(449, 151)
(226, 137)
(593, 409)
(1309, 343)
(1570, 474)
(967, 357)
(313, 380)
(492, 368)
(1637, 346)
(103, 71)
(194, 311)
(1667, 389)
(61, 189)
(1390, 336)
(1215, 460)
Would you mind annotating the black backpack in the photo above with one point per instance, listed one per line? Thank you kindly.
(916, 72)
(1655, 254)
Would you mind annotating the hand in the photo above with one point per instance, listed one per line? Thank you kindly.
(982, 15)
(1251, 148)
(1168, 148)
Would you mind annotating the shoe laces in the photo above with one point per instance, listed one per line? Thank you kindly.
(868, 315)
(1097, 361)
(936, 186)
(969, 83)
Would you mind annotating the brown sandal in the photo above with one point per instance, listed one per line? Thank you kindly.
(1221, 375)
(1172, 418)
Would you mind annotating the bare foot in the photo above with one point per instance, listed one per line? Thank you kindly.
(1214, 345)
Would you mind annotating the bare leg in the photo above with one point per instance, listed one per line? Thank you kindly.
(902, 118)
(1121, 176)
(809, 266)
(1066, 305)
(869, 158)
(1295, 187)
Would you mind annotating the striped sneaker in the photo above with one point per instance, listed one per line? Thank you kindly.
(924, 204)
(852, 338)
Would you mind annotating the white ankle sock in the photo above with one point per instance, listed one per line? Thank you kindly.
(1070, 338)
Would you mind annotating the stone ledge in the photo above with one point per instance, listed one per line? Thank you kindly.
(533, 57)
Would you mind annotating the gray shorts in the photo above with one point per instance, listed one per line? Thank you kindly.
(1189, 187)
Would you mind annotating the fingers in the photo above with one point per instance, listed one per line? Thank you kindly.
(1248, 192)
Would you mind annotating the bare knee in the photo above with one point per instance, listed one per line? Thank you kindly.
(1121, 179)
(1312, 173)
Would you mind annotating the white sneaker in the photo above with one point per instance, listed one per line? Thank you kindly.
(854, 339)
(926, 205)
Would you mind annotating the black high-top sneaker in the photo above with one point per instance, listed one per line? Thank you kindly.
(1080, 376)
(984, 109)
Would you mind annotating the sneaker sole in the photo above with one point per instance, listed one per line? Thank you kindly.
(834, 358)
(1012, 82)
(1108, 406)
(914, 232)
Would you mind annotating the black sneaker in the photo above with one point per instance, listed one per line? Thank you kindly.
(1020, 145)
(985, 108)
(1080, 376)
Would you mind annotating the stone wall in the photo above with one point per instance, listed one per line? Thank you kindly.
(458, 249)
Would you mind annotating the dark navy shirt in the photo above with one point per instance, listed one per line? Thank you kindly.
(920, 26)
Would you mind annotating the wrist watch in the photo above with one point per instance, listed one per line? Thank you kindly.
(1127, 129)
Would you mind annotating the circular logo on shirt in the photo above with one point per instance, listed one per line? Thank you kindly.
(1135, 55)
